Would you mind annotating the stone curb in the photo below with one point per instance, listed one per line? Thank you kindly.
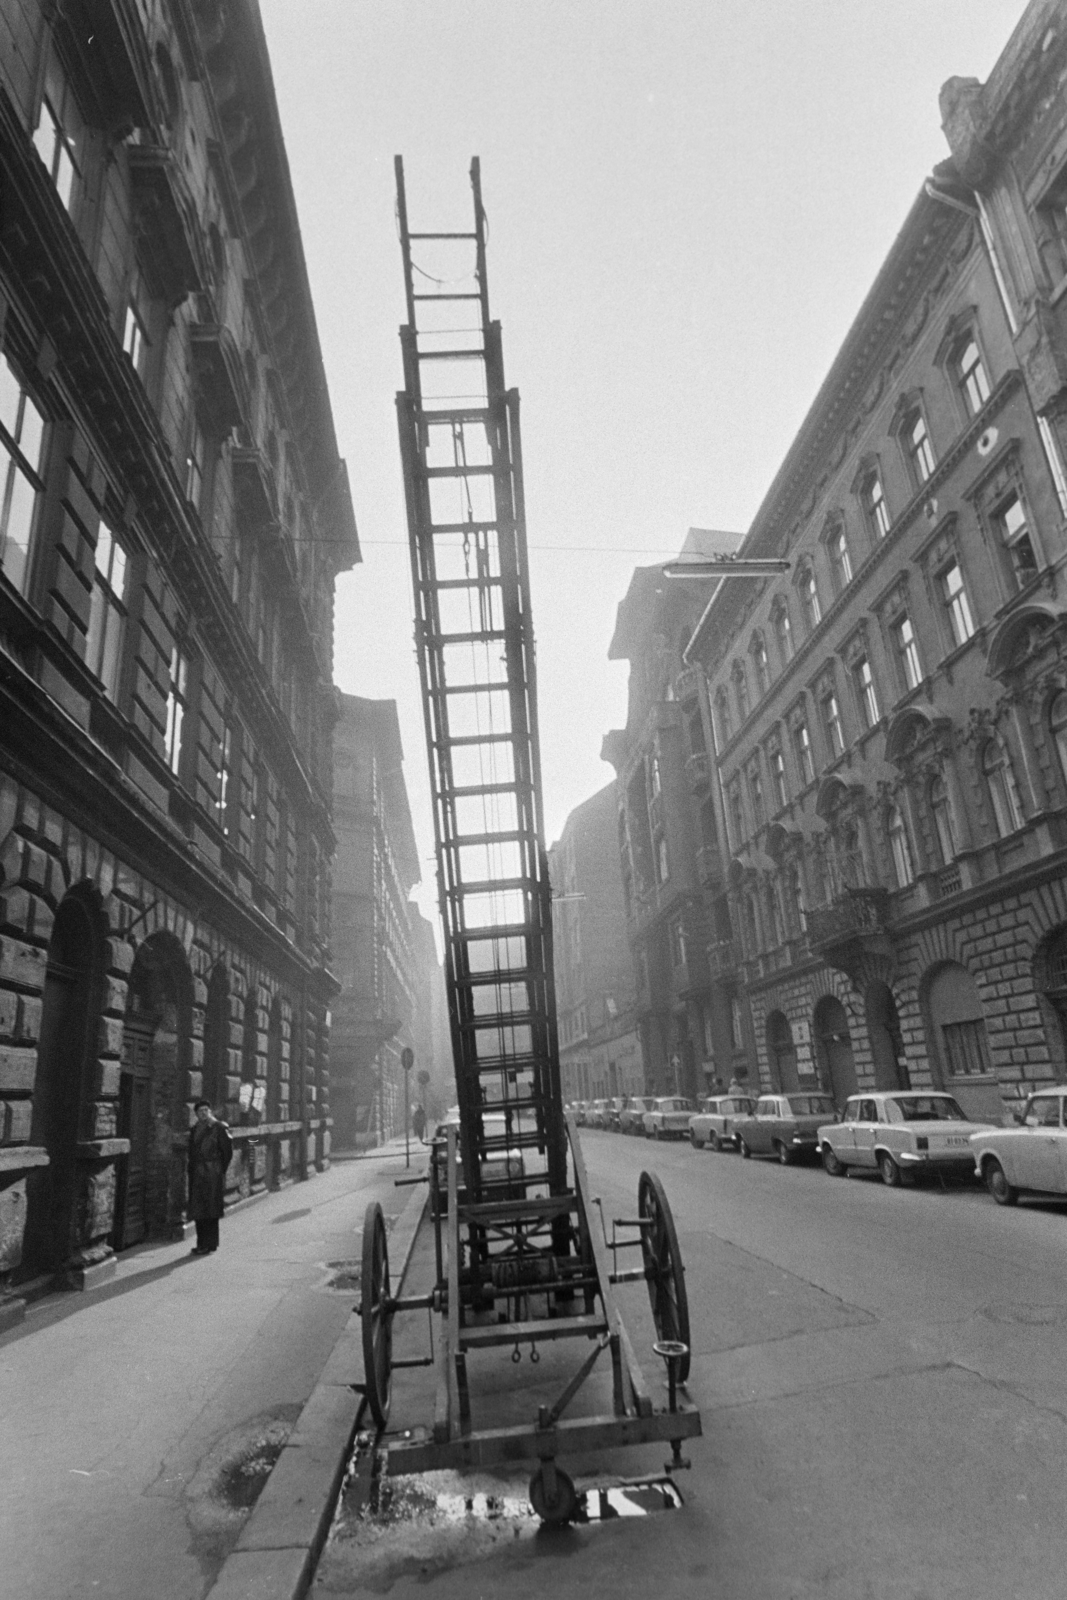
(276, 1554)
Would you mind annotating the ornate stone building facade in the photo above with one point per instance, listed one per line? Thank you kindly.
(891, 715)
(599, 1047)
(386, 960)
(669, 833)
(173, 513)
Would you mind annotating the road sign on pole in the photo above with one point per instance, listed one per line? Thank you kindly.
(407, 1061)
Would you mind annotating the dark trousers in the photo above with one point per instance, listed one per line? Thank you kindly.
(207, 1234)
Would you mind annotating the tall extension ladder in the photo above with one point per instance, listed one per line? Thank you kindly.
(459, 433)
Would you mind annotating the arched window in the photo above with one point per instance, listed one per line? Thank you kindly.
(740, 691)
(777, 915)
(783, 633)
(752, 925)
(796, 895)
(760, 663)
(971, 375)
(809, 598)
(901, 849)
(917, 446)
(1057, 718)
(723, 720)
(944, 823)
(1002, 788)
(875, 509)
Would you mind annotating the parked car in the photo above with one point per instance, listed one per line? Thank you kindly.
(594, 1116)
(715, 1124)
(503, 1169)
(631, 1117)
(668, 1117)
(614, 1112)
(1032, 1156)
(783, 1125)
(906, 1131)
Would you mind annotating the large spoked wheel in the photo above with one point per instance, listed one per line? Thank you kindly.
(664, 1272)
(376, 1315)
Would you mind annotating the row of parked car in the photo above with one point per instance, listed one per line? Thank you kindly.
(901, 1134)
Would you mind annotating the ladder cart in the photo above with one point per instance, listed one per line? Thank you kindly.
(520, 1258)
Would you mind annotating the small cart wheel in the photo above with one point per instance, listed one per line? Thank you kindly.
(664, 1271)
(376, 1315)
(564, 1502)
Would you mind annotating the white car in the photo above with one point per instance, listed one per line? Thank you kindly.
(668, 1118)
(905, 1131)
(1031, 1156)
(715, 1124)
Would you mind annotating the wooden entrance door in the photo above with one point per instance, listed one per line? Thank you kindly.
(134, 1125)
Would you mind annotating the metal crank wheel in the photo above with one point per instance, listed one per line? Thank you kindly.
(376, 1315)
(553, 1495)
(664, 1271)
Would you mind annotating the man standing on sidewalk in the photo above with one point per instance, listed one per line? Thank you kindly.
(210, 1149)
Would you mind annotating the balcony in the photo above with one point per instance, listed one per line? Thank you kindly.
(168, 228)
(687, 684)
(855, 925)
(698, 772)
(722, 959)
(709, 867)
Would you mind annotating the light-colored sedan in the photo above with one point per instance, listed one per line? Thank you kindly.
(631, 1117)
(1031, 1156)
(715, 1124)
(906, 1131)
(594, 1116)
(783, 1125)
(668, 1118)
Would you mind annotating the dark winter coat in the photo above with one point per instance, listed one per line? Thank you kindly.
(210, 1149)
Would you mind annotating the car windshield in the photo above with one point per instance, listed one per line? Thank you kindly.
(737, 1105)
(925, 1108)
(811, 1105)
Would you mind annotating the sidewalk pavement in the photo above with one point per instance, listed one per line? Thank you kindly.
(141, 1418)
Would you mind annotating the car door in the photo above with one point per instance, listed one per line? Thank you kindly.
(763, 1126)
(843, 1137)
(865, 1132)
(1038, 1156)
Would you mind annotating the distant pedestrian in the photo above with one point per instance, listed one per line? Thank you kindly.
(210, 1149)
(418, 1123)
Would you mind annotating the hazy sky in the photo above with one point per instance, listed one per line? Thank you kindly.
(687, 203)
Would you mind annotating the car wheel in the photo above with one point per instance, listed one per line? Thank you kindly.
(714, 1141)
(835, 1167)
(784, 1154)
(695, 1141)
(891, 1174)
(745, 1151)
(996, 1181)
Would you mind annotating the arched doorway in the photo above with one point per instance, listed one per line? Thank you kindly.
(68, 1013)
(1050, 982)
(213, 1084)
(833, 1049)
(152, 1102)
(887, 1041)
(781, 1052)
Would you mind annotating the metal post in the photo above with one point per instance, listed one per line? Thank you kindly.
(407, 1061)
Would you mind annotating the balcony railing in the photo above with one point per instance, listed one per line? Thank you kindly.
(852, 915)
(698, 771)
(722, 959)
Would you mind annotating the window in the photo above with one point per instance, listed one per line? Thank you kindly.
(874, 506)
(737, 813)
(831, 719)
(678, 943)
(917, 446)
(972, 377)
(907, 651)
(21, 440)
(662, 865)
(226, 807)
(740, 691)
(177, 705)
(777, 761)
(194, 464)
(755, 791)
(866, 694)
(737, 1036)
(802, 749)
(944, 824)
(655, 777)
(761, 664)
(107, 611)
(1057, 716)
(784, 634)
(723, 718)
(840, 561)
(1014, 528)
(59, 133)
(966, 1050)
(134, 332)
(777, 916)
(957, 606)
(796, 894)
(1003, 791)
(809, 598)
(899, 847)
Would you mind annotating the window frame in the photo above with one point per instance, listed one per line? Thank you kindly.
(16, 465)
(113, 607)
(865, 689)
(917, 446)
(906, 650)
(1005, 801)
(832, 726)
(783, 632)
(875, 506)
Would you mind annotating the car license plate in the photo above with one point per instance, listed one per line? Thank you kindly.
(957, 1139)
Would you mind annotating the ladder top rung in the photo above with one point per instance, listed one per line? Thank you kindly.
(442, 236)
(503, 930)
(459, 472)
(478, 585)
(462, 839)
(469, 740)
(492, 885)
(466, 296)
(450, 355)
(463, 790)
(483, 636)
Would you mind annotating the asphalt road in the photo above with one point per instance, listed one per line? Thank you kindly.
(883, 1394)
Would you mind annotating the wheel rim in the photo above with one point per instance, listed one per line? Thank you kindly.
(890, 1176)
(664, 1271)
(376, 1315)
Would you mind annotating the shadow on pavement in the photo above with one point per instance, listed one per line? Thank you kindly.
(62, 1303)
